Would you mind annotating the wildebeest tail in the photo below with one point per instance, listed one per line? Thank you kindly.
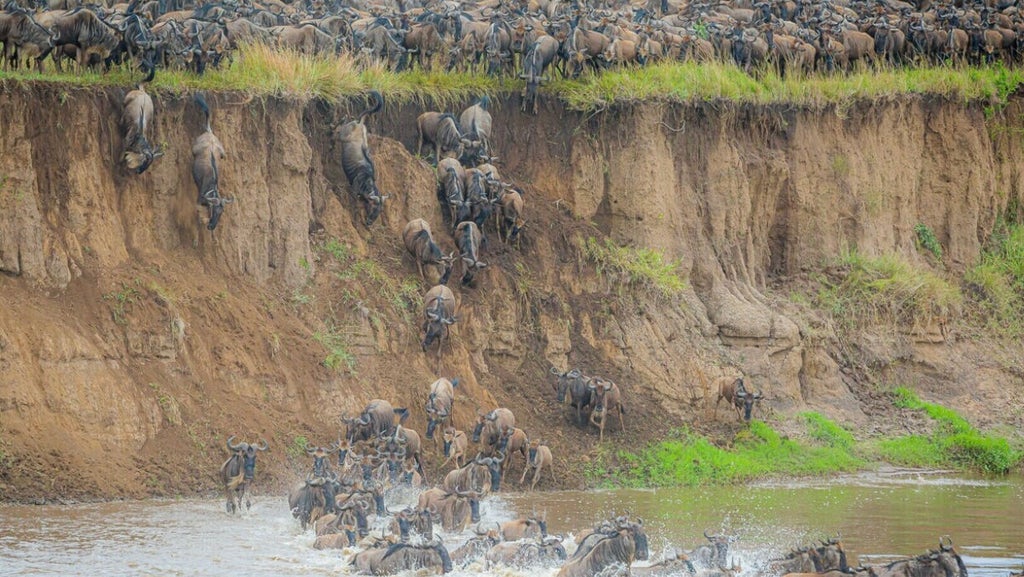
(378, 103)
(201, 101)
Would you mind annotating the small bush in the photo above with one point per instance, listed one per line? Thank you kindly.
(996, 284)
(336, 343)
(926, 239)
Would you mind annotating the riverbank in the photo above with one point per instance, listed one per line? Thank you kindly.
(668, 245)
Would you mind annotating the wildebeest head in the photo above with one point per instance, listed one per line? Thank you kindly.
(437, 321)
(718, 554)
(745, 400)
(564, 379)
(247, 453)
(493, 465)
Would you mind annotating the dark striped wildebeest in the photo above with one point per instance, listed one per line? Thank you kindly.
(238, 472)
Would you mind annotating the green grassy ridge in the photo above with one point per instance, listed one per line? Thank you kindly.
(641, 267)
(265, 71)
(688, 459)
(996, 283)
(954, 442)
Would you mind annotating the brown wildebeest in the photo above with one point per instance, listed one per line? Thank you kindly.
(440, 404)
(451, 189)
(945, 562)
(419, 241)
(489, 427)
(441, 130)
(456, 510)
(402, 557)
(546, 552)
(475, 126)
(423, 41)
(238, 472)
(513, 440)
(468, 238)
(135, 120)
(455, 445)
(24, 38)
(357, 162)
(512, 210)
(83, 31)
(623, 543)
(607, 398)
(206, 152)
(538, 458)
(525, 528)
(733, 391)
(439, 310)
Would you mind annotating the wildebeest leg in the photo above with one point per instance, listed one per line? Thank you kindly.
(247, 494)
(536, 477)
(526, 470)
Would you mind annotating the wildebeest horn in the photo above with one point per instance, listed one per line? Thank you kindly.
(264, 447)
(710, 537)
(554, 371)
(947, 539)
(448, 321)
(233, 447)
(310, 450)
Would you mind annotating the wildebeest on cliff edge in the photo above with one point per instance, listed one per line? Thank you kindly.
(357, 162)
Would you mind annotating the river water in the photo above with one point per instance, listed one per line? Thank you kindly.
(880, 516)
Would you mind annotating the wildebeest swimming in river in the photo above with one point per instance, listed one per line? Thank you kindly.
(238, 472)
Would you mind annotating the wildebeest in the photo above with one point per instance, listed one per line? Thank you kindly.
(524, 528)
(546, 552)
(607, 398)
(23, 37)
(135, 120)
(513, 440)
(206, 152)
(620, 546)
(476, 547)
(580, 396)
(410, 519)
(829, 556)
(440, 403)
(512, 210)
(475, 125)
(539, 56)
(456, 510)
(468, 239)
(733, 391)
(337, 531)
(403, 557)
(489, 426)
(238, 472)
(945, 562)
(82, 30)
(715, 555)
(357, 162)
(539, 458)
(676, 563)
(376, 420)
(420, 243)
(482, 474)
(439, 310)
(441, 130)
(308, 501)
(455, 444)
(451, 190)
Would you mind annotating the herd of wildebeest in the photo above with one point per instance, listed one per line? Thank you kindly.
(526, 37)
(345, 500)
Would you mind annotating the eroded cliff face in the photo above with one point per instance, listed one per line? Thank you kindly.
(132, 342)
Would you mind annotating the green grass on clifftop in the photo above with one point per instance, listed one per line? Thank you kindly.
(264, 71)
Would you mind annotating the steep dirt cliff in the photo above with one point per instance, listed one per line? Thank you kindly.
(132, 342)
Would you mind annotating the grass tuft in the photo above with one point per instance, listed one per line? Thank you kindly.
(996, 284)
(642, 267)
(887, 289)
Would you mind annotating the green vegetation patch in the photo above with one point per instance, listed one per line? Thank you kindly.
(336, 342)
(996, 284)
(689, 459)
(954, 441)
(886, 289)
(641, 267)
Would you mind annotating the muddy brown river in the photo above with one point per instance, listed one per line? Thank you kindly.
(881, 515)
